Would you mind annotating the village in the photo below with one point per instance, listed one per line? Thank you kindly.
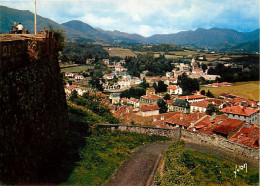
(226, 116)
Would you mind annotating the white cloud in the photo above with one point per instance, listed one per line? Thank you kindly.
(149, 17)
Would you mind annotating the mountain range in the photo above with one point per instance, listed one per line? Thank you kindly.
(77, 30)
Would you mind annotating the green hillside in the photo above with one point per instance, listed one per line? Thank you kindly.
(9, 15)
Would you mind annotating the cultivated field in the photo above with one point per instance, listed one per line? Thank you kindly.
(80, 68)
(121, 52)
(248, 90)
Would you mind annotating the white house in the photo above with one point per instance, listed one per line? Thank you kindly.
(200, 106)
(79, 77)
(174, 89)
(150, 110)
(108, 76)
(115, 98)
(69, 74)
(243, 113)
(193, 98)
(134, 102)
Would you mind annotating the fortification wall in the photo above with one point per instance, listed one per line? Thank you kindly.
(33, 110)
(171, 133)
(236, 148)
(193, 137)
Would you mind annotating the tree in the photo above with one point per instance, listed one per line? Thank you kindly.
(167, 96)
(74, 95)
(204, 67)
(209, 94)
(161, 87)
(144, 85)
(211, 109)
(187, 84)
(163, 106)
(203, 92)
(95, 83)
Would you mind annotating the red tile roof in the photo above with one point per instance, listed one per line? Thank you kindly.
(248, 135)
(207, 125)
(203, 104)
(169, 102)
(149, 108)
(173, 87)
(72, 87)
(166, 115)
(124, 99)
(239, 110)
(134, 99)
(99, 94)
(173, 79)
(185, 119)
(217, 102)
(192, 97)
(244, 131)
(228, 126)
(152, 97)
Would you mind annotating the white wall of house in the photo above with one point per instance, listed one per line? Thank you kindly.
(149, 113)
(249, 119)
(197, 109)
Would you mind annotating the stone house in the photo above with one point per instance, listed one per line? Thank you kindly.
(242, 113)
(179, 105)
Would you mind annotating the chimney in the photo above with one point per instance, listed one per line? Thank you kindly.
(162, 118)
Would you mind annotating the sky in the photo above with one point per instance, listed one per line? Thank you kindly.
(148, 17)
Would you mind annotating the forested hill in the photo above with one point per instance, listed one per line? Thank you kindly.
(203, 36)
(215, 38)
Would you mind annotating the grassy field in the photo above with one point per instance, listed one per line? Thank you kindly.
(121, 52)
(103, 154)
(80, 68)
(186, 167)
(248, 90)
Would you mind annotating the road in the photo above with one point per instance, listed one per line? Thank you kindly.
(140, 168)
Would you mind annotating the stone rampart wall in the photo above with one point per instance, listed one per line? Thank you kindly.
(33, 109)
(193, 137)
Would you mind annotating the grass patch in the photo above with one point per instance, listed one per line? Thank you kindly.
(248, 90)
(81, 68)
(187, 167)
(121, 52)
(103, 153)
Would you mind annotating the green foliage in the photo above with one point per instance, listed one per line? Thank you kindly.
(93, 105)
(155, 66)
(79, 52)
(167, 96)
(144, 85)
(163, 106)
(203, 92)
(59, 36)
(161, 87)
(135, 92)
(103, 153)
(184, 167)
(74, 95)
(247, 71)
(212, 109)
(209, 94)
(187, 84)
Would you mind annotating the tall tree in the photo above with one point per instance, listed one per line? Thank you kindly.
(163, 106)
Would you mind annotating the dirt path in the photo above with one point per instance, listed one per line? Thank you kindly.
(139, 169)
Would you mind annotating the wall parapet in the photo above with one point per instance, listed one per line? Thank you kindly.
(190, 136)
